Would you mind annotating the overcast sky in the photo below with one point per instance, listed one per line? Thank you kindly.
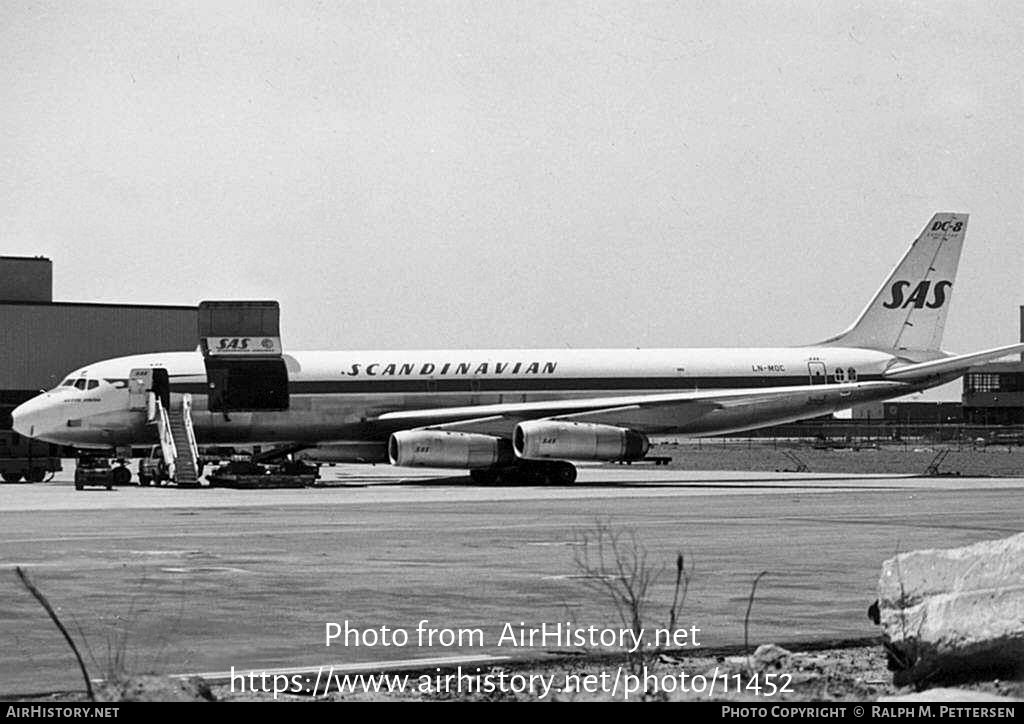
(442, 174)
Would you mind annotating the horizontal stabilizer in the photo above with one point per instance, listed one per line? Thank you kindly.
(946, 365)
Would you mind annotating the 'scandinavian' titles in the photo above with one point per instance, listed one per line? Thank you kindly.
(425, 369)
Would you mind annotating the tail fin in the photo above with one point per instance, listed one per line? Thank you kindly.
(909, 311)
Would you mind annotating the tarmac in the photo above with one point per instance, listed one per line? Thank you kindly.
(161, 580)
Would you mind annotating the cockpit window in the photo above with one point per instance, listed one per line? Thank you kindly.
(93, 384)
(69, 382)
(80, 383)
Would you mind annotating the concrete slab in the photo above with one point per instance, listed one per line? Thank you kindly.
(954, 614)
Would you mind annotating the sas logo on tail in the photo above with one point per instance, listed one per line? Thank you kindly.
(919, 297)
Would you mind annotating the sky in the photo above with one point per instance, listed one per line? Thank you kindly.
(516, 174)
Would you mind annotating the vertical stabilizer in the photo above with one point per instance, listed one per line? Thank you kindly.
(909, 311)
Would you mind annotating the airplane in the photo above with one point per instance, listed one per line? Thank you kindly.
(522, 415)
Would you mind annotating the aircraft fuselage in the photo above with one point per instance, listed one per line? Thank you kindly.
(337, 396)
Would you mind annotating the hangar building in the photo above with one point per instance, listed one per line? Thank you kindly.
(41, 340)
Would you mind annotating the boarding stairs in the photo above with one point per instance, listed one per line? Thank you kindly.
(801, 466)
(177, 439)
(933, 467)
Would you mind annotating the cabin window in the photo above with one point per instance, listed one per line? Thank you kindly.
(852, 374)
(840, 375)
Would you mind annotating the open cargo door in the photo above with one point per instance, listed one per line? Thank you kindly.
(241, 344)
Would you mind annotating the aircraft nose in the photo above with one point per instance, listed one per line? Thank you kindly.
(33, 418)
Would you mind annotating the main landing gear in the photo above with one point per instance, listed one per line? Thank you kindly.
(527, 472)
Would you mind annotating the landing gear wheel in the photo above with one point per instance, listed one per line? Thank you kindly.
(11, 477)
(36, 475)
(144, 480)
(562, 474)
(120, 476)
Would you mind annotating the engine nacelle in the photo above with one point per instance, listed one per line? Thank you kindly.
(443, 449)
(550, 439)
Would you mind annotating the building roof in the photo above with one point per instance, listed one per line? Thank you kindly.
(100, 305)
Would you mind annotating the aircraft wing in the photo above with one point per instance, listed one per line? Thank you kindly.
(649, 413)
(946, 365)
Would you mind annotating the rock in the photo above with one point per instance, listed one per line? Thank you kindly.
(766, 658)
(154, 688)
(955, 614)
(770, 656)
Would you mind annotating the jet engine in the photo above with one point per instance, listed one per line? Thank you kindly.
(443, 449)
(552, 439)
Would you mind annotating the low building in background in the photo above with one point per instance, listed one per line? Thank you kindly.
(994, 394)
(41, 340)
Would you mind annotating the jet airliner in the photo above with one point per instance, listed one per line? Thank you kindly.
(518, 414)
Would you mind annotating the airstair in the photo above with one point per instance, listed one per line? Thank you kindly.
(933, 467)
(177, 439)
(801, 466)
